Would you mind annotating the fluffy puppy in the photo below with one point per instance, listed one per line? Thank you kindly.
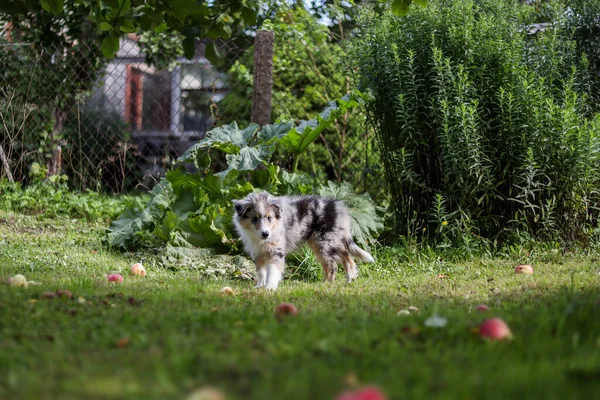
(272, 227)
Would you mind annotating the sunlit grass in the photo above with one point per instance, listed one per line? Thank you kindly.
(164, 335)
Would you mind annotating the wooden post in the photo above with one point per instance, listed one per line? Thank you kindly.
(6, 164)
(54, 165)
(175, 102)
(262, 85)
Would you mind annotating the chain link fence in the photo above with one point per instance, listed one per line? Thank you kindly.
(114, 124)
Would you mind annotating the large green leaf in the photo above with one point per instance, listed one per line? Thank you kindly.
(227, 138)
(124, 232)
(300, 137)
(247, 159)
(235, 143)
(366, 221)
(121, 231)
(274, 132)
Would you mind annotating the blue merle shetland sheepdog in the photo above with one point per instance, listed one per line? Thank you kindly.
(272, 227)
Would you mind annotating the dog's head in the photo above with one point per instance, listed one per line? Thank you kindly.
(258, 213)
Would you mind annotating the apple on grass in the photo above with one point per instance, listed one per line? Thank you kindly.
(495, 329)
(227, 291)
(365, 393)
(64, 293)
(18, 281)
(524, 269)
(116, 278)
(284, 309)
(138, 269)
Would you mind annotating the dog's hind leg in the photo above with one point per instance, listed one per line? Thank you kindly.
(329, 270)
(350, 268)
(329, 264)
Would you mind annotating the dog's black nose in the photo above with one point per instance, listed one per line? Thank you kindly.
(265, 234)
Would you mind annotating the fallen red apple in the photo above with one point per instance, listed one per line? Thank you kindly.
(64, 293)
(524, 269)
(117, 278)
(495, 329)
(285, 309)
(482, 307)
(138, 269)
(366, 393)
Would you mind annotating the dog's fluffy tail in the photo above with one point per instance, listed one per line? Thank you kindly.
(358, 252)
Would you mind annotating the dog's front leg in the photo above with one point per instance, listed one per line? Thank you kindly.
(274, 274)
(261, 275)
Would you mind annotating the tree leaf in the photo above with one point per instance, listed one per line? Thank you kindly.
(53, 6)
(249, 15)
(400, 7)
(105, 26)
(213, 54)
(110, 46)
(189, 47)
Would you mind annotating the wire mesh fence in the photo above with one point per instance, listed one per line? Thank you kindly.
(113, 124)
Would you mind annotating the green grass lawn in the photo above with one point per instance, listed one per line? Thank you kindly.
(162, 336)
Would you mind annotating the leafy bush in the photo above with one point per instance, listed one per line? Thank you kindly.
(582, 21)
(52, 197)
(195, 209)
(482, 127)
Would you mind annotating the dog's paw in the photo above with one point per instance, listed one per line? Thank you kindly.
(261, 284)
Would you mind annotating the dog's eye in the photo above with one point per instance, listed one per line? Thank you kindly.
(269, 218)
(254, 220)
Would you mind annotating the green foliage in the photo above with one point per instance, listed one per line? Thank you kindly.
(306, 69)
(195, 209)
(42, 76)
(484, 129)
(583, 22)
(52, 197)
(180, 329)
(310, 67)
(193, 19)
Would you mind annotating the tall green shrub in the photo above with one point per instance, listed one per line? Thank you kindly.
(475, 114)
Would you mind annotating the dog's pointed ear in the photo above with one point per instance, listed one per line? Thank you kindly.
(240, 207)
(276, 205)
